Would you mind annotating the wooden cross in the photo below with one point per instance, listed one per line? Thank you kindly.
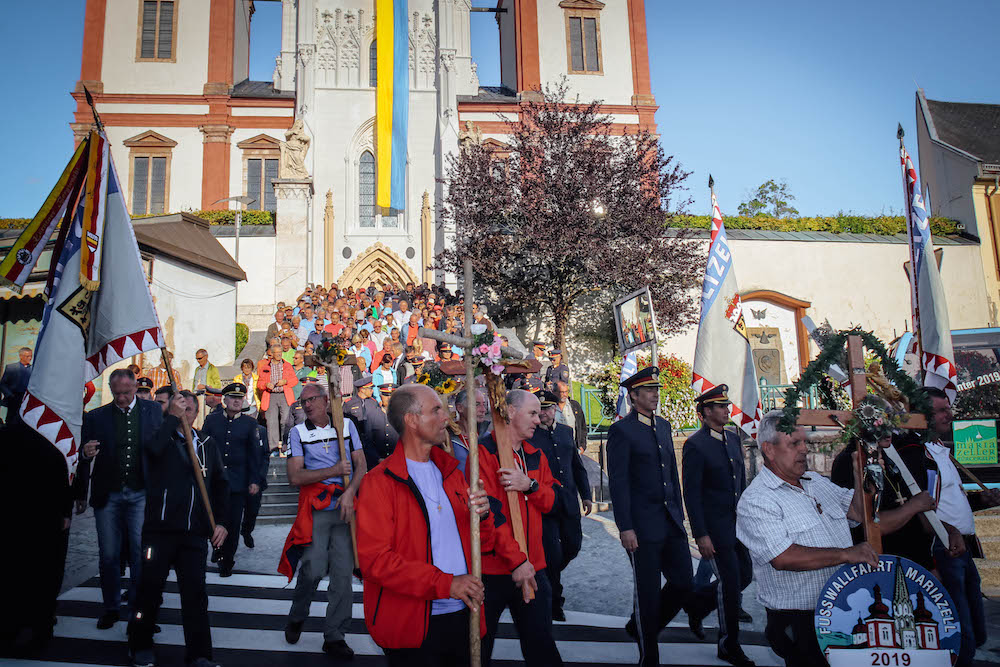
(859, 389)
(500, 433)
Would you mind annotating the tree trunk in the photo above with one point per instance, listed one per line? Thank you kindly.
(561, 315)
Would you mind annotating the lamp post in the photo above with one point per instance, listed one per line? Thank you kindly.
(241, 201)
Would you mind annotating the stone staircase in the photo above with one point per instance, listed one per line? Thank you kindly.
(988, 530)
(281, 499)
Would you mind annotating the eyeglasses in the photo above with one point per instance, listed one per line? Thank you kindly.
(308, 399)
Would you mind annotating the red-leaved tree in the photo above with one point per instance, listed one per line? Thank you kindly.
(568, 209)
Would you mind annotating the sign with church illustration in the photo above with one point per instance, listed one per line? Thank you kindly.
(895, 615)
(975, 441)
(634, 321)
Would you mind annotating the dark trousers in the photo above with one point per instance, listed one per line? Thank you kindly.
(734, 571)
(792, 635)
(532, 620)
(655, 607)
(446, 644)
(186, 553)
(561, 540)
(960, 578)
(253, 504)
(237, 501)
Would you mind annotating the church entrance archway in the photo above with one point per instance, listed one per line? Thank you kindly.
(378, 264)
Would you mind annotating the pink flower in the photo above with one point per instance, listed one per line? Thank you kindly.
(484, 348)
(878, 422)
(495, 349)
(497, 369)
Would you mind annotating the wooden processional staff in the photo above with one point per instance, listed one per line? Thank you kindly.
(501, 434)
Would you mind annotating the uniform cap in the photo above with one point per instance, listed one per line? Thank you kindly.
(144, 383)
(647, 377)
(547, 399)
(235, 389)
(363, 381)
(555, 352)
(716, 394)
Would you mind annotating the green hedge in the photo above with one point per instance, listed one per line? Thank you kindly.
(227, 217)
(242, 336)
(854, 224)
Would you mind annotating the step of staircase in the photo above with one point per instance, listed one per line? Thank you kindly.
(988, 531)
(988, 524)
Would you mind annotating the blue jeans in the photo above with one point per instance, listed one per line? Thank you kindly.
(961, 579)
(126, 508)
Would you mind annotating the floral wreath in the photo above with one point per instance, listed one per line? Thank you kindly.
(437, 379)
(332, 350)
(874, 417)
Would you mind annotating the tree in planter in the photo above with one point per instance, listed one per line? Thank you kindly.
(567, 209)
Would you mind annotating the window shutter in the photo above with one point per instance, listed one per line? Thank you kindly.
(158, 185)
(164, 44)
(373, 65)
(270, 173)
(140, 182)
(576, 43)
(253, 183)
(366, 182)
(148, 49)
(590, 41)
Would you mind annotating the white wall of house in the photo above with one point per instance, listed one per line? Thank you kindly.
(197, 309)
(256, 294)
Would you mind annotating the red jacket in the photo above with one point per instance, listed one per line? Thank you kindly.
(316, 496)
(264, 377)
(507, 555)
(394, 549)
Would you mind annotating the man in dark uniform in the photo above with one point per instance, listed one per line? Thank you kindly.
(239, 442)
(562, 532)
(253, 502)
(557, 372)
(714, 478)
(378, 437)
(646, 493)
(144, 389)
(176, 533)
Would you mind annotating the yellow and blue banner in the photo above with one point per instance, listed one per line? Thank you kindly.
(392, 101)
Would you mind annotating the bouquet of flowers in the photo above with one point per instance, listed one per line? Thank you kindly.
(486, 349)
(332, 350)
(874, 420)
(435, 378)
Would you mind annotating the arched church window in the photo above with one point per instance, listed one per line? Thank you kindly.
(373, 64)
(366, 181)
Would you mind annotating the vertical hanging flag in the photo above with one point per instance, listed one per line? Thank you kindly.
(930, 311)
(722, 353)
(392, 101)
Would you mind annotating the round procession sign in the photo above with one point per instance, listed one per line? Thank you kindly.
(895, 615)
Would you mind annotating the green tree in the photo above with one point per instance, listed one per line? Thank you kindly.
(770, 199)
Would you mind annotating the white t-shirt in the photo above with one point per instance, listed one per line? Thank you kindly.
(953, 507)
(446, 544)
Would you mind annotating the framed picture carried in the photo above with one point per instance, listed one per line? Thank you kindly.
(635, 321)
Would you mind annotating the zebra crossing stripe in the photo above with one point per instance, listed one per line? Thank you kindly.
(249, 631)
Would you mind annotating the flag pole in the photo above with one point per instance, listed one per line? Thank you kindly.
(914, 294)
(186, 428)
(472, 465)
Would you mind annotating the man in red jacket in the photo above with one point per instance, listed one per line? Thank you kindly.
(506, 570)
(414, 540)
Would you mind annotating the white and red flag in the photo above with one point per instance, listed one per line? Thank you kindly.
(722, 353)
(99, 309)
(930, 310)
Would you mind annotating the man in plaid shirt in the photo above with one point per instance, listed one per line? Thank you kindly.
(795, 525)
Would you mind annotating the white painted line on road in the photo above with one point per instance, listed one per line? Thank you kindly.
(504, 649)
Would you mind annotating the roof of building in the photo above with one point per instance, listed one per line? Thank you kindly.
(827, 237)
(248, 88)
(492, 95)
(972, 128)
(187, 238)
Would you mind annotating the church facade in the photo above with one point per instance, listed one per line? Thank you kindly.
(189, 130)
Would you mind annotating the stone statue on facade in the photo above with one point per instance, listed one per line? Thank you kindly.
(470, 136)
(293, 152)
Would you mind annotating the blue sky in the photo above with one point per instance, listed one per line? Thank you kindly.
(806, 92)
